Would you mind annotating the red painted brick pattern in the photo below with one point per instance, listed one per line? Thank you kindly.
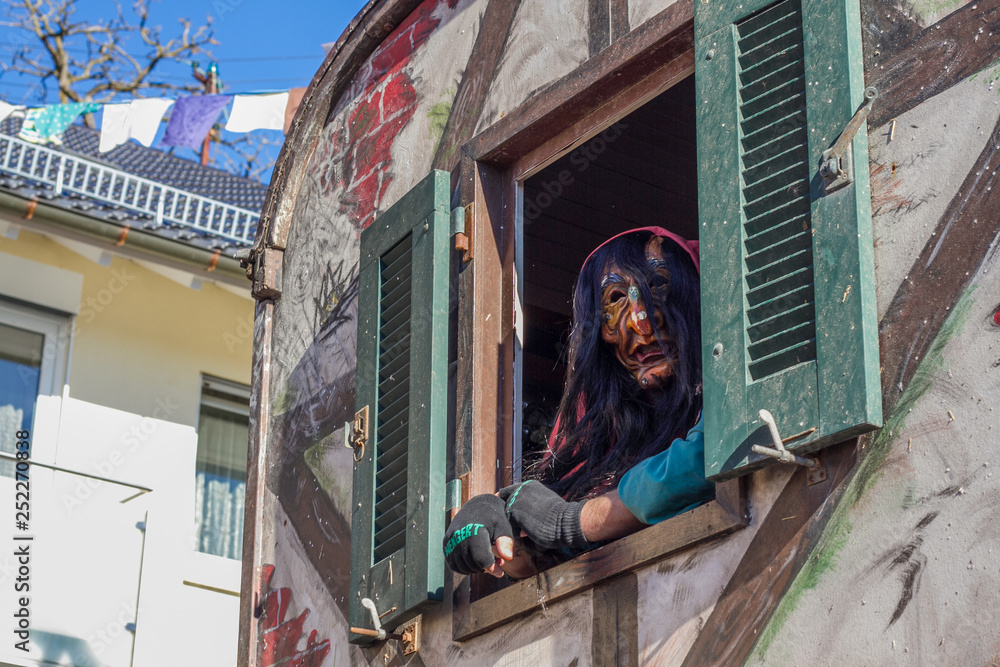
(280, 640)
(354, 161)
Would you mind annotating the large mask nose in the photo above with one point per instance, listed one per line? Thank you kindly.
(638, 318)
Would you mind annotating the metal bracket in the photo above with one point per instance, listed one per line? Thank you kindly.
(409, 637)
(356, 433)
(778, 451)
(836, 165)
(379, 633)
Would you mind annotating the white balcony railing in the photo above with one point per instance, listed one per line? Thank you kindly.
(70, 173)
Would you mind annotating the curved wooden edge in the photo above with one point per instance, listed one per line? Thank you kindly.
(358, 41)
(712, 520)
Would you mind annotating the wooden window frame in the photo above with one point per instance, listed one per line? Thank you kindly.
(561, 117)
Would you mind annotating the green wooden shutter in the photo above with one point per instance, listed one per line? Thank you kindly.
(788, 293)
(397, 522)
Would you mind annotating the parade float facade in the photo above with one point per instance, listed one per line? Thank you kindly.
(452, 165)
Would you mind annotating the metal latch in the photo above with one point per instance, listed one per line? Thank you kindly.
(836, 165)
(410, 637)
(356, 433)
(778, 451)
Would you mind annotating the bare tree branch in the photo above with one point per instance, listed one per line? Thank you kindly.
(107, 68)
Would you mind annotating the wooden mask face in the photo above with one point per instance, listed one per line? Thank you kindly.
(626, 322)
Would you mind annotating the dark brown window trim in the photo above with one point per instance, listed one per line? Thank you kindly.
(622, 77)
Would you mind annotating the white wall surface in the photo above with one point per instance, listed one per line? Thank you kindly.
(93, 571)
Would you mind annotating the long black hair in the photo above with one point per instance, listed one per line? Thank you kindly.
(606, 422)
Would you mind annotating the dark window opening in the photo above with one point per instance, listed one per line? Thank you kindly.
(638, 172)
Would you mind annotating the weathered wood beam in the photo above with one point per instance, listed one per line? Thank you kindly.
(615, 636)
(659, 41)
(914, 68)
(776, 554)
(479, 72)
(941, 273)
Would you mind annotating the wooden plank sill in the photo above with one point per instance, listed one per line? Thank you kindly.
(727, 513)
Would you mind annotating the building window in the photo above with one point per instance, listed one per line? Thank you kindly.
(32, 362)
(221, 467)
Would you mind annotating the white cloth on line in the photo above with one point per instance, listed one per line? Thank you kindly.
(138, 119)
(258, 112)
(7, 109)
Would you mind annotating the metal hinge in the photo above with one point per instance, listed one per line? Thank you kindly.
(836, 165)
(356, 433)
(462, 219)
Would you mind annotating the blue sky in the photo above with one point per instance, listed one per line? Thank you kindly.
(264, 45)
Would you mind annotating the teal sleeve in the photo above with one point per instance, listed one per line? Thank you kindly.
(670, 482)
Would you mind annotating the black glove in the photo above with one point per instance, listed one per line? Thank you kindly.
(468, 542)
(546, 519)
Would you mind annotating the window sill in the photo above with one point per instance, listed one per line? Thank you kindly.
(727, 513)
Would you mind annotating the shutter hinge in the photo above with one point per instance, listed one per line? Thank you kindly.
(836, 165)
(356, 433)
(462, 220)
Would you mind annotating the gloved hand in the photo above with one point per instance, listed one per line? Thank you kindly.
(546, 519)
(468, 542)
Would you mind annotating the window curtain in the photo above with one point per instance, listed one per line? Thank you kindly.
(220, 483)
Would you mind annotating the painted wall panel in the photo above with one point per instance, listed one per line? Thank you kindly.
(547, 40)
(917, 174)
(640, 11)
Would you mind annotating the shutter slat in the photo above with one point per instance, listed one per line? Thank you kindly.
(393, 541)
(794, 209)
(778, 199)
(784, 360)
(784, 142)
(768, 237)
(775, 116)
(779, 269)
(782, 91)
(770, 79)
(796, 154)
(784, 40)
(793, 176)
(772, 324)
(783, 340)
(787, 247)
(762, 63)
(780, 287)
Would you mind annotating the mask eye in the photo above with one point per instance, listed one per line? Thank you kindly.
(659, 282)
(615, 295)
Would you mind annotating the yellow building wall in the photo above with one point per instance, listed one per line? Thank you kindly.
(141, 341)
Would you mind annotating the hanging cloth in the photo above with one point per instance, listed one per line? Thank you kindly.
(138, 119)
(7, 109)
(257, 112)
(48, 123)
(192, 118)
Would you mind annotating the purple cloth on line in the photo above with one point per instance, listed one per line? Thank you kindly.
(192, 118)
